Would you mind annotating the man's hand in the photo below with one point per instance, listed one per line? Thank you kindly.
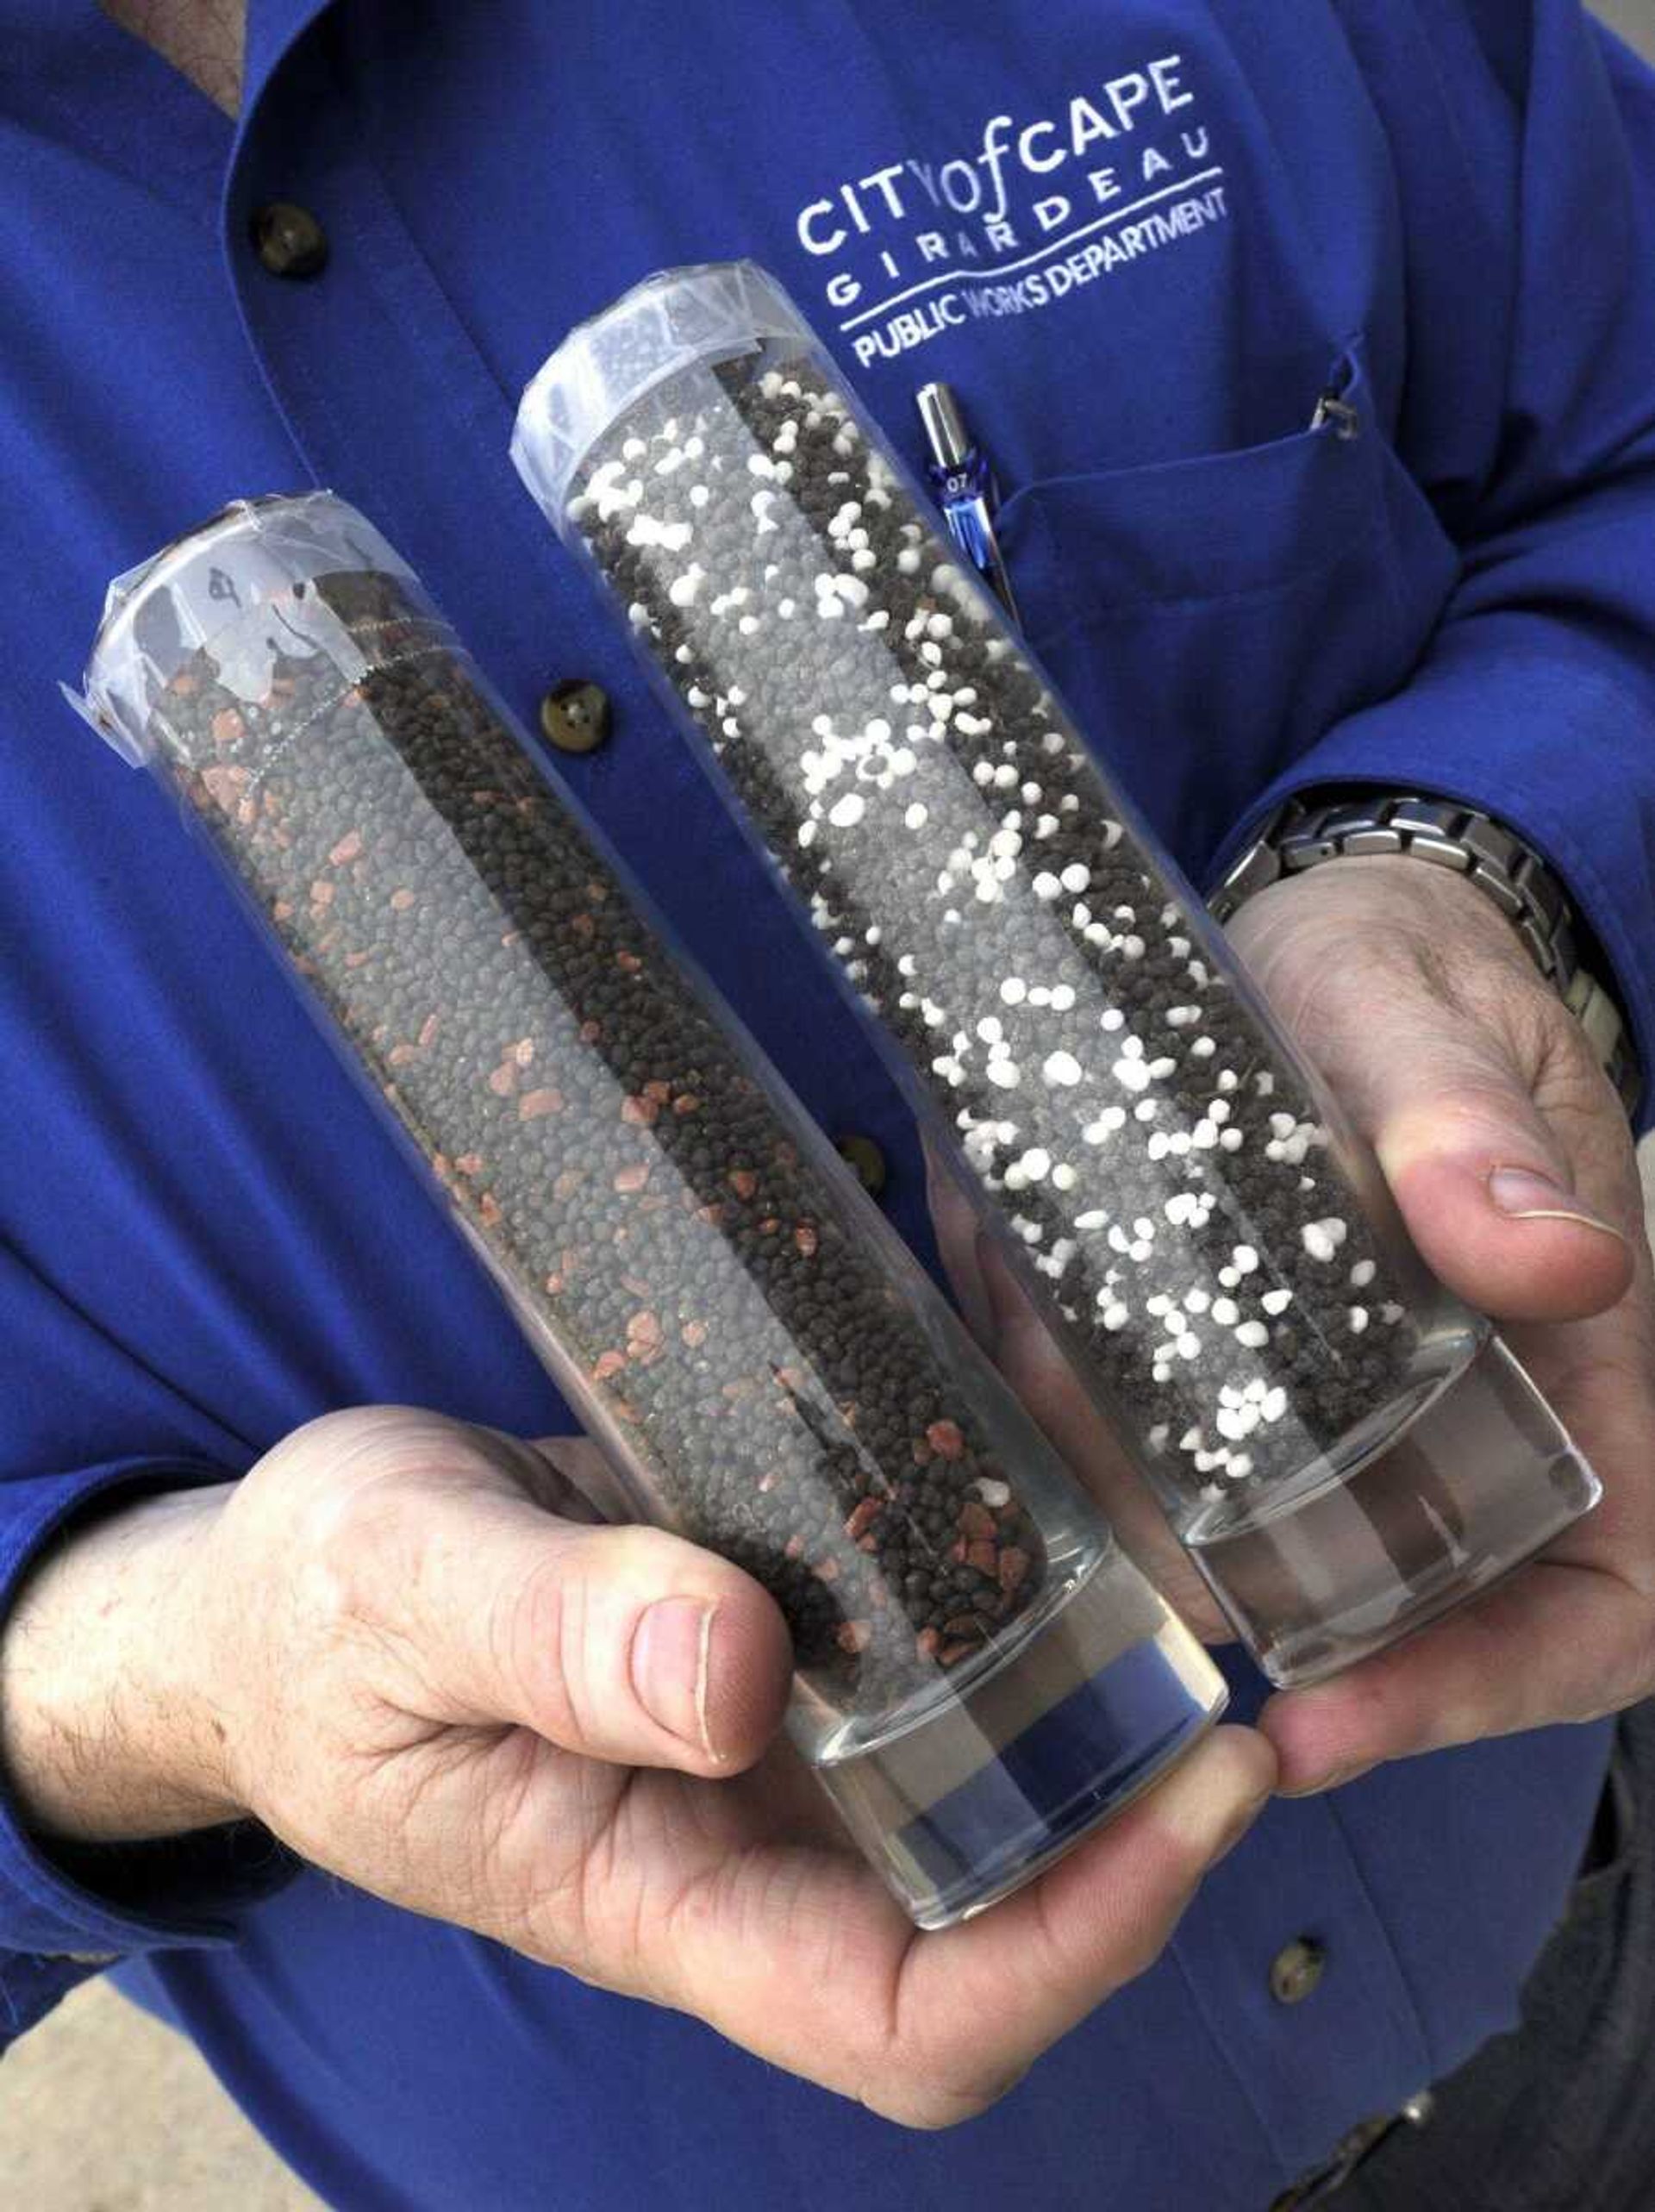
(1509, 1156)
(411, 1649)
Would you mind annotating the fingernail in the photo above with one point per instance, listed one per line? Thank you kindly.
(672, 1653)
(1524, 1195)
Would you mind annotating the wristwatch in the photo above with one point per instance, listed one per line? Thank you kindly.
(1332, 826)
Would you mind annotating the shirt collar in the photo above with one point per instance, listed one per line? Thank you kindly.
(74, 45)
(92, 83)
(62, 38)
(274, 28)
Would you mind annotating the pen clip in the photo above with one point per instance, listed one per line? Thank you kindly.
(963, 481)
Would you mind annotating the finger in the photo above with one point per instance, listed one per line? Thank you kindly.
(929, 2029)
(625, 1644)
(1489, 1199)
(1559, 1642)
(1412, 997)
(962, 1244)
(1039, 1964)
(1570, 1636)
(1488, 1194)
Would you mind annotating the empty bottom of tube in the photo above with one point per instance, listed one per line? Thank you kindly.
(973, 1801)
(1479, 1483)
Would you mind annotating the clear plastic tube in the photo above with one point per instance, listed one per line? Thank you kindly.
(982, 1675)
(1215, 1250)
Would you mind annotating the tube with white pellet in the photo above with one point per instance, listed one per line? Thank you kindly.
(1345, 1449)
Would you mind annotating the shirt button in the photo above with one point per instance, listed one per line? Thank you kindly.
(289, 240)
(1297, 1969)
(866, 1158)
(576, 715)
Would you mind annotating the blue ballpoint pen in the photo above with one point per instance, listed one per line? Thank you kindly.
(964, 482)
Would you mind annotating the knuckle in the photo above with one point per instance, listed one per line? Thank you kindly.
(648, 1561)
(537, 1632)
(1477, 1101)
(559, 1632)
(1553, 1048)
(351, 1494)
(341, 1536)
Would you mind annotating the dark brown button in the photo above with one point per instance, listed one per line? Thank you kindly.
(289, 240)
(868, 1160)
(1297, 1969)
(575, 716)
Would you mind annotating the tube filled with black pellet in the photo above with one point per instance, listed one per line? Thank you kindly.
(1344, 1448)
(980, 1675)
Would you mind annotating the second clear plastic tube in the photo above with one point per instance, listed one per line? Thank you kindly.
(1345, 1449)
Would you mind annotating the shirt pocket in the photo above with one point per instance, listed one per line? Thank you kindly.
(1207, 619)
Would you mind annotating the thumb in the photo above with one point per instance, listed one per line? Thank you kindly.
(1488, 1196)
(623, 1644)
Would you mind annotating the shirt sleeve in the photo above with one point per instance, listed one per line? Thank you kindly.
(65, 1912)
(1523, 140)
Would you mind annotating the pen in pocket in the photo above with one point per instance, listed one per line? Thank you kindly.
(964, 483)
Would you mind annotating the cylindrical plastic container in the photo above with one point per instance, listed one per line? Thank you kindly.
(1344, 1448)
(980, 1674)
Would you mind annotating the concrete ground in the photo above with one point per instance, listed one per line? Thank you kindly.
(1634, 19)
(103, 2110)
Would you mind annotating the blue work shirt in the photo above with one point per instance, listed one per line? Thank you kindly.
(1141, 239)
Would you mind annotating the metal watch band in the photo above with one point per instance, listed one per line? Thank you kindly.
(1306, 831)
